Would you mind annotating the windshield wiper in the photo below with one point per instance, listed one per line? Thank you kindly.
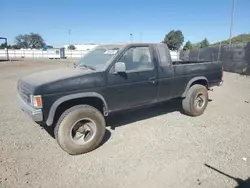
(89, 67)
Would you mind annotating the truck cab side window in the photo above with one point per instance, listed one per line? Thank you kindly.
(163, 55)
(137, 58)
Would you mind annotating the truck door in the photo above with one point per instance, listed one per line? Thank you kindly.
(138, 85)
(165, 73)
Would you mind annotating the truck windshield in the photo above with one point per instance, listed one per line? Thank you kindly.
(97, 58)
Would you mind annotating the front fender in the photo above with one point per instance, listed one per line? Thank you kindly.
(59, 101)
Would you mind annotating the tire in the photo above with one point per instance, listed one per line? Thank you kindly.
(79, 118)
(192, 104)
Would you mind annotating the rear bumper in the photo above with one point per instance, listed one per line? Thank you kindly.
(35, 114)
(221, 82)
(217, 83)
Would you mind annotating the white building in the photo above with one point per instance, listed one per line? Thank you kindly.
(83, 47)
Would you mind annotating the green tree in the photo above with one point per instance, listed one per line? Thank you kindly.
(187, 46)
(196, 46)
(32, 40)
(71, 47)
(174, 39)
(204, 43)
(3, 45)
(15, 47)
(49, 46)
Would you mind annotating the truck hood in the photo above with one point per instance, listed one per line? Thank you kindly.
(51, 78)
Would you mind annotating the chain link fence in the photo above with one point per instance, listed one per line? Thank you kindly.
(235, 57)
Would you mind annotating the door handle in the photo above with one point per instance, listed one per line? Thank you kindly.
(152, 79)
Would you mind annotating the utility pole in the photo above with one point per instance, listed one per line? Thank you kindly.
(6, 42)
(69, 31)
(218, 58)
(131, 37)
(232, 20)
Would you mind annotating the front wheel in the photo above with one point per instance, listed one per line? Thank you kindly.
(196, 100)
(80, 129)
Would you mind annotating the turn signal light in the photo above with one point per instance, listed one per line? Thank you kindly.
(36, 101)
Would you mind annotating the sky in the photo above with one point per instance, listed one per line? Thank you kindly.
(108, 21)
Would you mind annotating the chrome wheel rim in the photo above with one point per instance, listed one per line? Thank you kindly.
(199, 101)
(83, 131)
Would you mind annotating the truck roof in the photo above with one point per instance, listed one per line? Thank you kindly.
(122, 45)
(129, 43)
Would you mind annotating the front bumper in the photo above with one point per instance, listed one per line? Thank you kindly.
(35, 114)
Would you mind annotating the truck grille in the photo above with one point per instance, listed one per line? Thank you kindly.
(24, 95)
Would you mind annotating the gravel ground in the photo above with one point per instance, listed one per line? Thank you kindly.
(155, 147)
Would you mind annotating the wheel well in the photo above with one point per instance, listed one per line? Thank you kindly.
(200, 82)
(92, 101)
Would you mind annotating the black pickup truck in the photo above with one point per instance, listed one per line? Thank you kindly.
(108, 79)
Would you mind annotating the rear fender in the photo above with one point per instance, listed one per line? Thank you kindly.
(199, 78)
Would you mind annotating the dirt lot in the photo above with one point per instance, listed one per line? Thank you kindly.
(155, 147)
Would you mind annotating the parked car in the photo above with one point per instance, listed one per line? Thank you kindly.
(108, 79)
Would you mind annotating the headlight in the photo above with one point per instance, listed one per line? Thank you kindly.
(36, 101)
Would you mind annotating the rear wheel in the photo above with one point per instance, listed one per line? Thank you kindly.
(196, 100)
(80, 129)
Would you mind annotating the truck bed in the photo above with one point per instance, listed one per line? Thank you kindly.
(210, 70)
(184, 71)
(188, 62)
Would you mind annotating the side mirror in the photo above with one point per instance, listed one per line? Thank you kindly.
(120, 67)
